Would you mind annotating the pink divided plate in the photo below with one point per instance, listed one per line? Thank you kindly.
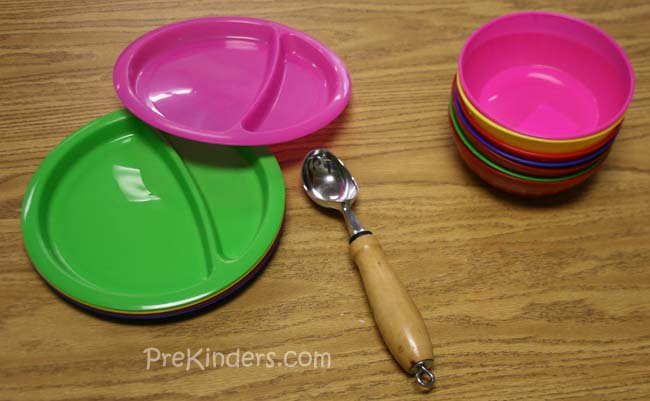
(232, 81)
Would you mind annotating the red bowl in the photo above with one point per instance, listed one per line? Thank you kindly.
(526, 154)
(519, 167)
(514, 185)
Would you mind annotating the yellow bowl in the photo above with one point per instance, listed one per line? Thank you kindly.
(531, 143)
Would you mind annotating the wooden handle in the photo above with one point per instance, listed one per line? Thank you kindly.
(397, 317)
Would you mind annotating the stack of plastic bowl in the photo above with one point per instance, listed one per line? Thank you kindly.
(538, 101)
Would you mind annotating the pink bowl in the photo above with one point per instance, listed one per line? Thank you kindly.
(546, 75)
(537, 156)
(232, 81)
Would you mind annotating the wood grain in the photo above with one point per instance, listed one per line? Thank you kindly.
(526, 300)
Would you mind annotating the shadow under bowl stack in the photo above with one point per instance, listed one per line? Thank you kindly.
(538, 100)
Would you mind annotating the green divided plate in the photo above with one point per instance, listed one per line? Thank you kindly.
(123, 218)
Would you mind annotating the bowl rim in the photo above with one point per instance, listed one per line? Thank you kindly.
(514, 185)
(464, 122)
(534, 141)
(498, 123)
(511, 174)
(517, 167)
(530, 154)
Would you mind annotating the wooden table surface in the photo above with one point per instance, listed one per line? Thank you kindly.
(546, 299)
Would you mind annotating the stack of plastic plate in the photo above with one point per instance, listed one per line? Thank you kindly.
(538, 101)
(126, 220)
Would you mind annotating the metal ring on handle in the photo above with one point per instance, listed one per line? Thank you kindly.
(423, 374)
